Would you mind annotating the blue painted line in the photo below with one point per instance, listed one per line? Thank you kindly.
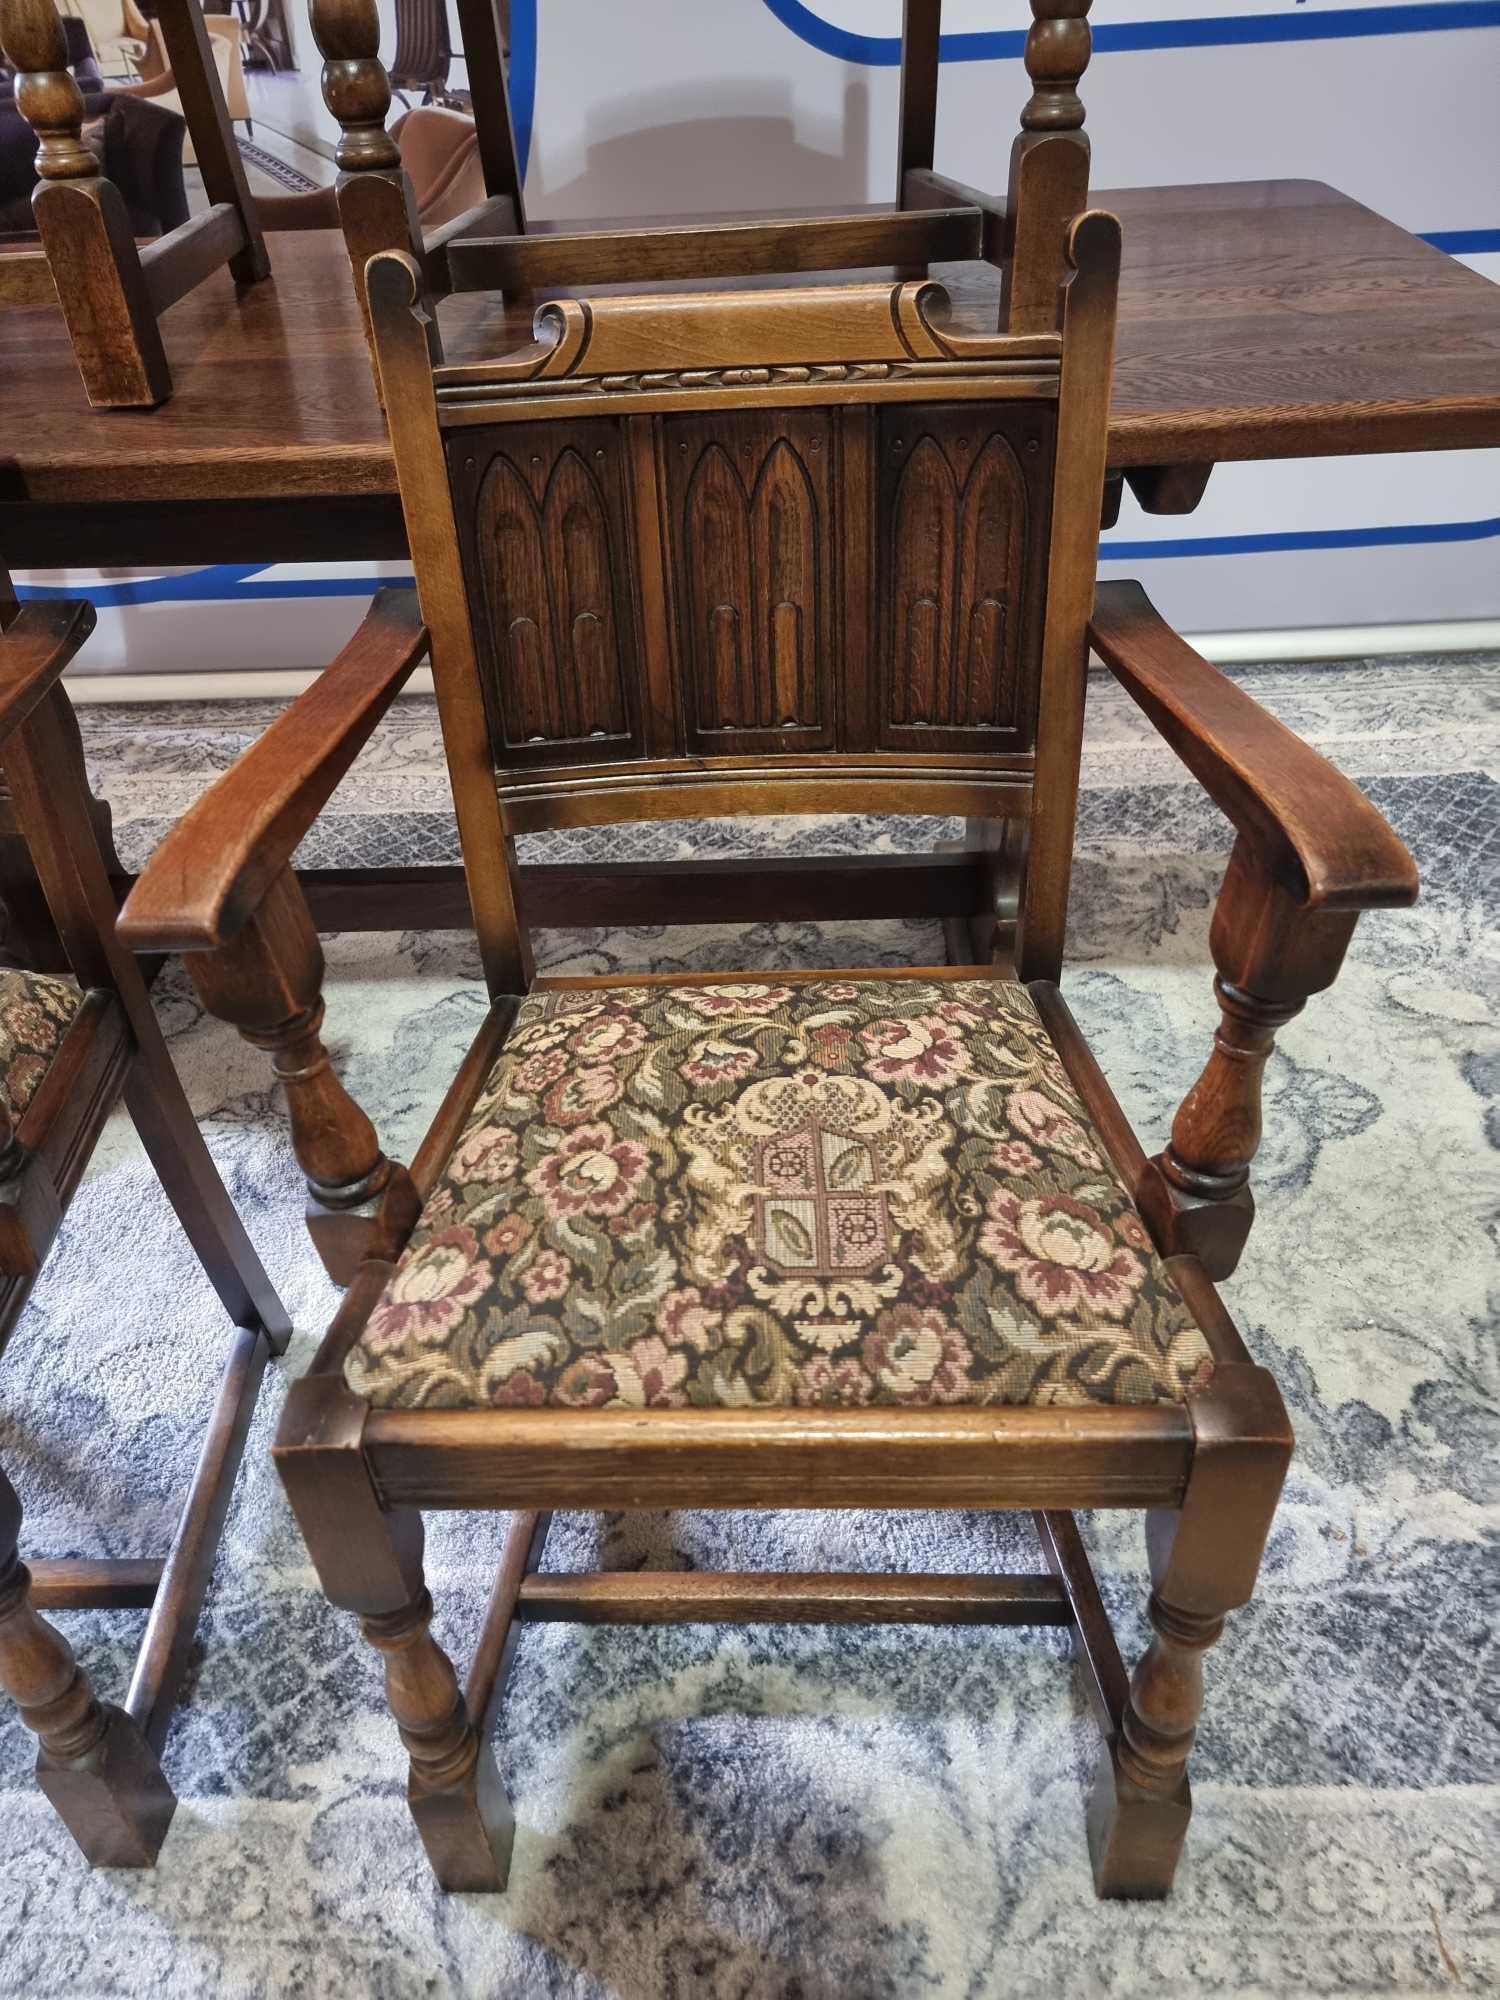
(1464, 242)
(1415, 535)
(1118, 37)
(229, 583)
(522, 77)
(221, 580)
(222, 583)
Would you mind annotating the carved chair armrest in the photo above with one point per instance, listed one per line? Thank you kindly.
(1311, 829)
(220, 888)
(218, 864)
(35, 646)
(1312, 853)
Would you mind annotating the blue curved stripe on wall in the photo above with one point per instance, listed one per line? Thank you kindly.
(884, 51)
(1229, 31)
(236, 583)
(522, 76)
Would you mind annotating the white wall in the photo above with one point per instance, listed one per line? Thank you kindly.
(728, 104)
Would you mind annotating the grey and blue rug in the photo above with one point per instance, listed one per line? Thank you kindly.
(735, 1813)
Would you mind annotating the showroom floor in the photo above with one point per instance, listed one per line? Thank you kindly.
(837, 1813)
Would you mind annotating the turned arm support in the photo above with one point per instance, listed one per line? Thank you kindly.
(1312, 853)
(220, 889)
(217, 865)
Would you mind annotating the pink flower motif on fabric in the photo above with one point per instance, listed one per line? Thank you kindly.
(582, 1095)
(924, 1048)
(606, 1040)
(1040, 1119)
(915, 1355)
(490, 1153)
(547, 1276)
(1061, 1254)
(662, 1372)
(714, 1001)
(532, 1076)
(590, 1173)
(426, 1298)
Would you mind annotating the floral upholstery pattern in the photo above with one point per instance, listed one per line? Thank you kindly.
(842, 1192)
(36, 1011)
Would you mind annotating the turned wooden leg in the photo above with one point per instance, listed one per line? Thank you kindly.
(1204, 1561)
(370, 1562)
(267, 981)
(94, 1764)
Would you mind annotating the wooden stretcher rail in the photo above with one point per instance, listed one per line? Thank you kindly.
(651, 1597)
(724, 249)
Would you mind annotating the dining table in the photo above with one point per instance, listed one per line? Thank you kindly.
(1274, 319)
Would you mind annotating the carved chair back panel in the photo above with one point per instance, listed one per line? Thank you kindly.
(776, 632)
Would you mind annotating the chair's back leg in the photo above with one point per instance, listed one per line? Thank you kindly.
(93, 1762)
(921, 36)
(489, 90)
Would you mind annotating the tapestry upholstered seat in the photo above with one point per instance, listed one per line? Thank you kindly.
(838, 1192)
(36, 1011)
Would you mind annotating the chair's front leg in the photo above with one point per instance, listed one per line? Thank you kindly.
(369, 1561)
(93, 1762)
(267, 982)
(1271, 954)
(1204, 1561)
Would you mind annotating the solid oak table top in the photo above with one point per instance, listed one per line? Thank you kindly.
(1259, 319)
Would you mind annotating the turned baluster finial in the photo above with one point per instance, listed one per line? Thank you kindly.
(1049, 167)
(356, 88)
(1271, 955)
(1058, 47)
(1216, 1132)
(267, 982)
(47, 92)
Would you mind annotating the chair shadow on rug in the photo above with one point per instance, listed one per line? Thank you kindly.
(818, 1240)
(70, 1048)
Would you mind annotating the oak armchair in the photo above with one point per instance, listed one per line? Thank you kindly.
(70, 1048)
(835, 1239)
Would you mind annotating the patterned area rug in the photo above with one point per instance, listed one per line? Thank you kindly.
(827, 1814)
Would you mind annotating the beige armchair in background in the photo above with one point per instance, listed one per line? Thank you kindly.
(440, 152)
(226, 38)
(119, 32)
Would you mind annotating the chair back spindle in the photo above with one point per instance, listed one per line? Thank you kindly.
(112, 293)
(1049, 164)
(489, 245)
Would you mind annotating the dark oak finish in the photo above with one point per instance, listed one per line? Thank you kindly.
(790, 547)
(243, 925)
(688, 1597)
(1391, 346)
(1312, 852)
(1049, 164)
(98, 1763)
(90, 1584)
